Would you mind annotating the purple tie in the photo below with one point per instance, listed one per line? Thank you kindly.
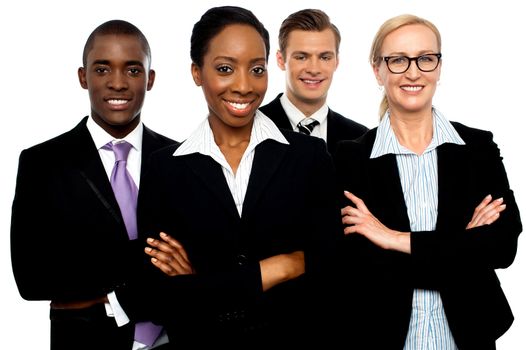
(125, 192)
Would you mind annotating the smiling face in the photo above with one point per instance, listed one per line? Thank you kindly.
(412, 91)
(117, 78)
(310, 60)
(233, 76)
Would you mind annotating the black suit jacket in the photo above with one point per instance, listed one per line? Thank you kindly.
(68, 239)
(290, 204)
(338, 127)
(458, 263)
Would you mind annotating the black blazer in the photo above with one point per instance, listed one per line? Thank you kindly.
(459, 263)
(338, 127)
(68, 239)
(291, 204)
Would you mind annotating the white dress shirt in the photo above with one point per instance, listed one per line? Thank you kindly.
(295, 116)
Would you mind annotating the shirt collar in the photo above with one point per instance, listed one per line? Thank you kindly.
(295, 115)
(101, 137)
(387, 143)
(202, 139)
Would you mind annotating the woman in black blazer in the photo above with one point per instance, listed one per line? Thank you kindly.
(424, 262)
(256, 209)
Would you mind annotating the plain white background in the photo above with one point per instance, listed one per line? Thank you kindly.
(482, 85)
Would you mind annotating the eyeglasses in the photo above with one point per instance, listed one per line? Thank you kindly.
(400, 64)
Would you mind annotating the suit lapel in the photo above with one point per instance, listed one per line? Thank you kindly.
(211, 174)
(274, 110)
(451, 160)
(87, 161)
(151, 142)
(269, 154)
(384, 180)
(332, 130)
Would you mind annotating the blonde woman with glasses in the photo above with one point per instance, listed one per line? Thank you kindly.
(423, 260)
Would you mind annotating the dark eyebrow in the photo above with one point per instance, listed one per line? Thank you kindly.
(300, 53)
(103, 62)
(134, 63)
(234, 60)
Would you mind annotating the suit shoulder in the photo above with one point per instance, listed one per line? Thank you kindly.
(472, 135)
(160, 139)
(55, 145)
(166, 151)
(349, 124)
(271, 105)
(361, 146)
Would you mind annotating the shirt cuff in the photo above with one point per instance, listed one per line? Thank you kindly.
(114, 309)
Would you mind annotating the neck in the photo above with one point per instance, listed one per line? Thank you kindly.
(414, 132)
(232, 141)
(306, 106)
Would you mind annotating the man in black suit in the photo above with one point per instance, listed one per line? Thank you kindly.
(308, 53)
(69, 243)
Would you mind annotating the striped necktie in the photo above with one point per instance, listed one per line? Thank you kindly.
(307, 125)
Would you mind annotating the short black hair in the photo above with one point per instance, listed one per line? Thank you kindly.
(117, 27)
(213, 21)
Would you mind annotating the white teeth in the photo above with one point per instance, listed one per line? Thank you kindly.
(238, 105)
(117, 102)
(412, 88)
(311, 81)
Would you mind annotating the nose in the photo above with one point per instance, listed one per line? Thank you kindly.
(412, 72)
(242, 83)
(313, 65)
(117, 81)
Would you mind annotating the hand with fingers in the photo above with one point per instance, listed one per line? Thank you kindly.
(358, 219)
(487, 212)
(169, 255)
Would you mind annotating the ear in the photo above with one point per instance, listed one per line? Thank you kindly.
(376, 70)
(196, 74)
(337, 61)
(81, 72)
(151, 80)
(280, 59)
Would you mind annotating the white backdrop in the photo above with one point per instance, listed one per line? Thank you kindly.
(482, 85)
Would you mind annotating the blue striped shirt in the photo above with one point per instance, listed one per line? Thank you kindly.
(428, 327)
(202, 141)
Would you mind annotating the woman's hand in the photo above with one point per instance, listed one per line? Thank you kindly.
(358, 219)
(487, 212)
(169, 256)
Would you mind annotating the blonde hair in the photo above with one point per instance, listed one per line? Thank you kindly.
(387, 28)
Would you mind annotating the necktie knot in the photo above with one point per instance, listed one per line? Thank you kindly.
(121, 150)
(123, 186)
(307, 125)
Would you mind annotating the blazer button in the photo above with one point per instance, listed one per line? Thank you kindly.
(241, 259)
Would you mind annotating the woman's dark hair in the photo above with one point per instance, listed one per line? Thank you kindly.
(216, 19)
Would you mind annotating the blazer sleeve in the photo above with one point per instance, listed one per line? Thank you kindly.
(451, 247)
(28, 209)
